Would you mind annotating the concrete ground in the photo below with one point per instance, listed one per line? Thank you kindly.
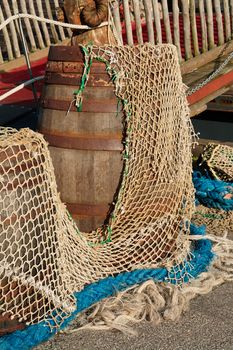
(208, 325)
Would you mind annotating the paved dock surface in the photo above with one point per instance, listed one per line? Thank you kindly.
(208, 325)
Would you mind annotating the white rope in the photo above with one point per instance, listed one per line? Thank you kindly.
(49, 21)
(20, 87)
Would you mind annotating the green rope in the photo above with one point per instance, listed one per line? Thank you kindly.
(210, 216)
(87, 67)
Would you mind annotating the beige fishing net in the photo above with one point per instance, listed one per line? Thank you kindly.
(43, 256)
(219, 161)
(217, 222)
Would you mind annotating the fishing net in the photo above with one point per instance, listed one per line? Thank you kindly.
(218, 222)
(218, 160)
(44, 257)
(215, 193)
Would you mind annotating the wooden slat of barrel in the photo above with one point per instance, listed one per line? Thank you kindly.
(86, 147)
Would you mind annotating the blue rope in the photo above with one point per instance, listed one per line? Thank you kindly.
(202, 257)
(211, 193)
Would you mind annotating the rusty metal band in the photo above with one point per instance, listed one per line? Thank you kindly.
(74, 67)
(65, 53)
(74, 79)
(80, 142)
(88, 105)
(80, 209)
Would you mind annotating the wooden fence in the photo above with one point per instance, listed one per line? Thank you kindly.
(194, 26)
(38, 35)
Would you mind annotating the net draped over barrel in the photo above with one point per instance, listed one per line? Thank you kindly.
(44, 256)
(87, 144)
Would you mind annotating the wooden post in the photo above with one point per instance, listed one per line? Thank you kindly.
(203, 26)
(231, 11)
(149, 21)
(210, 23)
(218, 12)
(67, 30)
(128, 26)
(14, 37)
(176, 25)
(52, 26)
(15, 12)
(166, 20)
(60, 29)
(36, 25)
(194, 27)
(227, 20)
(157, 21)
(137, 15)
(28, 26)
(1, 57)
(117, 20)
(187, 31)
(44, 26)
(6, 37)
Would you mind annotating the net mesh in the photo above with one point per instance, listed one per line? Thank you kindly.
(218, 222)
(219, 161)
(44, 257)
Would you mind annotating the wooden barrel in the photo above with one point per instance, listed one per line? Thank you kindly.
(86, 147)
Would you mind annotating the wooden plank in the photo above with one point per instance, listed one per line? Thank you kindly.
(166, 20)
(210, 23)
(1, 56)
(201, 105)
(6, 37)
(187, 31)
(222, 82)
(218, 12)
(176, 25)
(203, 26)
(60, 29)
(117, 20)
(93, 106)
(227, 20)
(221, 107)
(15, 9)
(128, 25)
(197, 109)
(149, 20)
(194, 27)
(156, 13)
(44, 25)
(231, 14)
(52, 26)
(36, 25)
(207, 57)
(137, 16)
(28, 26)
(14, 37)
